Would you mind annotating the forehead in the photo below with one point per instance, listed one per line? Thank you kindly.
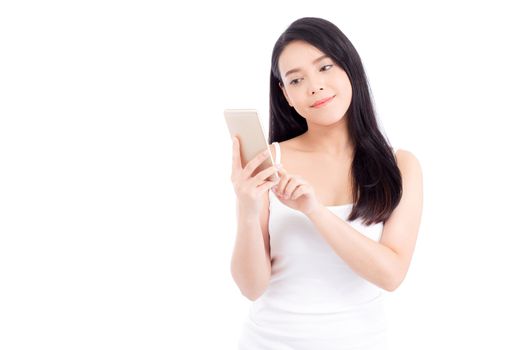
(297, 54)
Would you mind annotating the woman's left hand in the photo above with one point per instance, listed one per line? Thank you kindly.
(296, 193)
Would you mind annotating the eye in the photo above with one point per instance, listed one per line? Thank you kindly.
(323, 67)
(295, 81)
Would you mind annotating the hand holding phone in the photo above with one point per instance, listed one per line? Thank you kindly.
(249, 182)
(246, 126)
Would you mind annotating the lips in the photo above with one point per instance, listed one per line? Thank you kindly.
(322, 102)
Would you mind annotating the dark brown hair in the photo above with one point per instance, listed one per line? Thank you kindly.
(377, 178)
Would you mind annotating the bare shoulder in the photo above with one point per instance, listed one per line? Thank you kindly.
(285, 147)
(407, 161)
(411, 174)
(290, 143)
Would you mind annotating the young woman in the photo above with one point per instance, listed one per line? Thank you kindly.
(316, 249)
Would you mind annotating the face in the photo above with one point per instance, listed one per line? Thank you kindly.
(309, 76)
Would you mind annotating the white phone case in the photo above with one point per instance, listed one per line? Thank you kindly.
(246, 126)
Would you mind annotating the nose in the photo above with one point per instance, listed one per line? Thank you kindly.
(314, 90)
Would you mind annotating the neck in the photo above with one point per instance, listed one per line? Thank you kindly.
(332, 139)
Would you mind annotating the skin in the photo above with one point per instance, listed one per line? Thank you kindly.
(308, 76)
(314, 173)
(313, 81)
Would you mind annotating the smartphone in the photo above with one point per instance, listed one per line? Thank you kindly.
(246, 126)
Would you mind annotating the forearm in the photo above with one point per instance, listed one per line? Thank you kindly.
(250, 265)
(371, 260)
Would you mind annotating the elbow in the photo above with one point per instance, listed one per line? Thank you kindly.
(254, 292)
(250, 289)
(393, 283)
(251, 296)
(394, 275)
(251, 293)
(391, 287)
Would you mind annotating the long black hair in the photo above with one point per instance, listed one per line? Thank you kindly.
(377, 185)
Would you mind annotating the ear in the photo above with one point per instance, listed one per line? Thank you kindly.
(285, 94)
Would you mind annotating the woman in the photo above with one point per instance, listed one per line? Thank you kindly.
(339, 226)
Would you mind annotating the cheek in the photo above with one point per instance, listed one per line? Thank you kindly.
(345, 94)
(346, 88)
(295, 97)
(291, 94)
(343, 82)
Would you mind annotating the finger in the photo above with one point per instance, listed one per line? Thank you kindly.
(266, 186)
(282, 170)
(284, 178)
(299, 191)
(255, 162)
(263, 175)
(292, 185)
(236, 159)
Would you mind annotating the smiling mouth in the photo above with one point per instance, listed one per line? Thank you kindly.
(322, 102)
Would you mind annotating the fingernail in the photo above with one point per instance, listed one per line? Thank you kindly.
(279, 166)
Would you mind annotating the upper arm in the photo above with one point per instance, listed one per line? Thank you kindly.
(264, 216)
(401, 229)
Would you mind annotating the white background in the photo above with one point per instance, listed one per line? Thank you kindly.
(117, 214)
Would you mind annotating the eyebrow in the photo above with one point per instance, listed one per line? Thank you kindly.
(298, 69)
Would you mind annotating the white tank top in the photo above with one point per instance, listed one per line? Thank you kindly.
(314, 300)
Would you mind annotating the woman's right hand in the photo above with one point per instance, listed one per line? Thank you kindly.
(249, 188)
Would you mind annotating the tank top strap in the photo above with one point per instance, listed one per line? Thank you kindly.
(277, 152)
